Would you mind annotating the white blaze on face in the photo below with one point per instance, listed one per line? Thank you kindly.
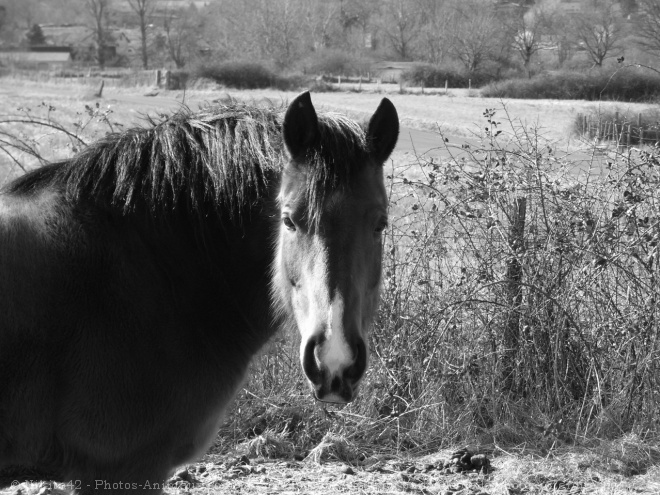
(316, 312)
(336, 353)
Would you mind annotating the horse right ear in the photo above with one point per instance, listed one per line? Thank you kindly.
(301, 126)
(383, 131)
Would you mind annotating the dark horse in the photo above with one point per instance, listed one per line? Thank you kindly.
(138, 279)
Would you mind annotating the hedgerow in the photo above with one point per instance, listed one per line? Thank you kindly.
(635, 85)
(431, 76)
(249, 75)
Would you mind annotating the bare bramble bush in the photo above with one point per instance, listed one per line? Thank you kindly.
(519, 288)
(519, 304)
(32, 136)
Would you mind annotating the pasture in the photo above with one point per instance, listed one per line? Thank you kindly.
(518, 316)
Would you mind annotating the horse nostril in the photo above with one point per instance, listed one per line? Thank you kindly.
(355, 371)
(309, 365)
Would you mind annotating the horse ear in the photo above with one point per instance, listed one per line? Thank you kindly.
(301, 126)
(383, 131)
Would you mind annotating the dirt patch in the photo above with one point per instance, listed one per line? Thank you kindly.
(569, 473)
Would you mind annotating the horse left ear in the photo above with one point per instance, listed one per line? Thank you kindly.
(301, 126)
(383, 131)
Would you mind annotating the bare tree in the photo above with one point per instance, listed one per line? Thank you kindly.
(284, 31)
(435, 39)
(228, 28)
(16, 16)
(648, 25)
(281, 29)
(559, 33)
(476, 33)
(3, 17)
(25, 12)
(527, 26)
(143, 9)
(402, 19)
(98, 11)
(358, 22)
(599, 30)
(326, 20)
(181, 28)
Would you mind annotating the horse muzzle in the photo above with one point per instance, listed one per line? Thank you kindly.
(334, 376)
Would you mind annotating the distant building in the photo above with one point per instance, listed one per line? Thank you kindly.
(49, 48)
(45, 60)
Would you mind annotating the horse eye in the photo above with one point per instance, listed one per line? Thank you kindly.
(381, 227)
(288, 223)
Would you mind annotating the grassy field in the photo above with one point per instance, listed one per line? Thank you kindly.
(435, 382)
(458, 113)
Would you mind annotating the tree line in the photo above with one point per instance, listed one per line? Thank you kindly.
(318, 35)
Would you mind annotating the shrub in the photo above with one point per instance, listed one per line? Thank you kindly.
(238, 74)
(249, 75)
(432, 76)
(290, 82)
(622, 85)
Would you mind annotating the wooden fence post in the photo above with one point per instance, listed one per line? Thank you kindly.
(99, 93)
(586, 126)
(580, 126)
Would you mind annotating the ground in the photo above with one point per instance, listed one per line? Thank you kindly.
(567, 472)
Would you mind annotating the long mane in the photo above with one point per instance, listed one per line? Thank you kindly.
(223, 158)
